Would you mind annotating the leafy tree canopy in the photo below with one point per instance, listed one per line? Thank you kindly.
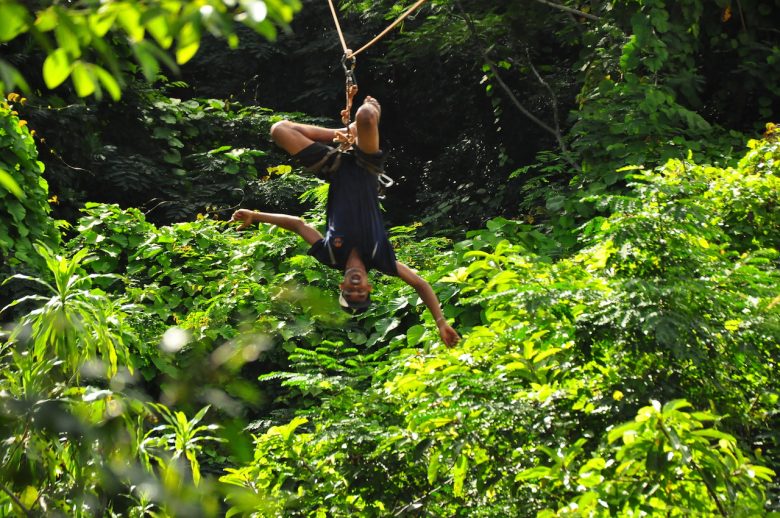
(91, 42)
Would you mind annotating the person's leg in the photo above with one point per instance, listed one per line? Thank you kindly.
(367, 124)
(294, 137)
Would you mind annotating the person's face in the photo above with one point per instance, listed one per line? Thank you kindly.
(355, 286)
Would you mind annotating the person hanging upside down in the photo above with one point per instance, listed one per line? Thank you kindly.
(355, 240)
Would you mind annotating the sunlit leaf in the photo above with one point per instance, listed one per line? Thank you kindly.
(56, 68)
(108, 81)
(83, 80)
(14, 20)
(8, 183)
(188, 42)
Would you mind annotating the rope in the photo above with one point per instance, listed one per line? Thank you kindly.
(338, 27)
(376, 38)
(346, 139)
(390, 27)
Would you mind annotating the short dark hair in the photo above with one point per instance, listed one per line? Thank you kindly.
(355, 307)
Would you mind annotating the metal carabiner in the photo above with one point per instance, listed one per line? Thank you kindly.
(348, 64)
(385, 180)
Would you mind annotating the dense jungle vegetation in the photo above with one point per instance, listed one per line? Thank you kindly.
(592, 188)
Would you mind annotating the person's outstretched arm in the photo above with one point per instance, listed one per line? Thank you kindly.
(424, 290)
(292, 223)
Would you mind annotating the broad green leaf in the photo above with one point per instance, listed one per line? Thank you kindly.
(46, 19)
(67, 40)
(459, 474)
(13, 20)
(675, 405)
(433, 467)
(29, 496)
(108, 81)
(101, 22)
(286, 431)
(11, 78)
(413, 335)
(129, 18)
(533, 473)
(9, 184)
(195, 466)
(187, 44)
(265, 29)
(713, 434)
(83, 80)
(545, 354)
(160, 30)
(16, 210)
(56, 68)
(148, 62)
(621, 431)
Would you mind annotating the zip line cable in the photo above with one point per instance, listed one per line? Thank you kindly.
(376, 38)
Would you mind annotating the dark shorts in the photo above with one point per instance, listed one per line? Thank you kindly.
(311, 156)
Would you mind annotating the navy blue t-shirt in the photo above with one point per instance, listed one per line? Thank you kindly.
(353, 217)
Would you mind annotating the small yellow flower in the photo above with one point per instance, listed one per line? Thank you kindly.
(22, 123)
(23, 101)
(13, 96)
(32, 133)
(726, 14)
(772, 130)
(54, 200)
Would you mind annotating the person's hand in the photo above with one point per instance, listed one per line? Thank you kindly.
(245, 216)
(343, 137)
(447, 333)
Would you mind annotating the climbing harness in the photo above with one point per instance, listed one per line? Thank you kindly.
(348, 62)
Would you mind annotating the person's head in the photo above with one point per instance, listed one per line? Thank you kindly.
(355, 291)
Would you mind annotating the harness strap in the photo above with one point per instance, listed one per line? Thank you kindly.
(384, 180)
(332, 161)
(327, 164)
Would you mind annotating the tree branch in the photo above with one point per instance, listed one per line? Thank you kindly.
(555, 132)
(710, 489)
(554, 100)
(423, 497)
(569, 10)
(16, 501)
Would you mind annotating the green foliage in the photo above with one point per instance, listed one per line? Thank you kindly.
(85, 41)
(541, 410)
(24, 217)
(77, 323)
(110, 234)
(70, 414)
(667, 461)
(169, 157)
(512, 421)
(178, 436)
(531, 413)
